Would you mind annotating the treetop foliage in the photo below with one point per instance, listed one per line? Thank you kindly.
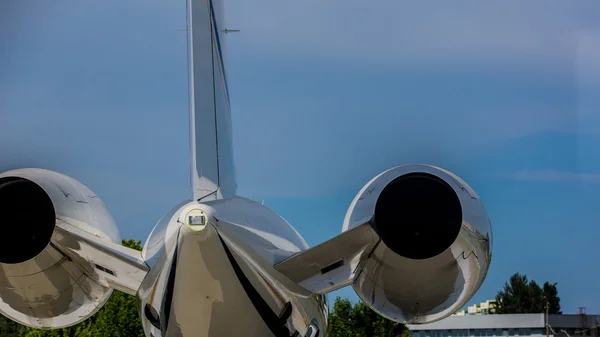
(358, 320)
(520, 296)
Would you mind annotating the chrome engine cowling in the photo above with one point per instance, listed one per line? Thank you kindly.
(436, 243)
(41, 285)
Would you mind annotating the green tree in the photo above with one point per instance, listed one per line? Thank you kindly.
(520, 296)
(551, 293)
(359, 320)
(340, 318)
(8, 328)
(119, 317)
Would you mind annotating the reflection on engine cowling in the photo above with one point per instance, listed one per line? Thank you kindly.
(436, 243)
(40, 285)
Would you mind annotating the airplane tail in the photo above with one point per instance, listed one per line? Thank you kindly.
(211, 141)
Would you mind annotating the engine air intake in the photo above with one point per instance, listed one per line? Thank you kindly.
(27, 220)
(418, 216)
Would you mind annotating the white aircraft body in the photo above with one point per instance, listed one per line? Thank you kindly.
(415, 242)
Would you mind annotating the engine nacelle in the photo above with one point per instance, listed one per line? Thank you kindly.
(436, 243)
(40, 286)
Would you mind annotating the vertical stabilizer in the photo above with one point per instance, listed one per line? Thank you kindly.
(211, 143)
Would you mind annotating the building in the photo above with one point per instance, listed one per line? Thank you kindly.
(510, 325)
(483, 308)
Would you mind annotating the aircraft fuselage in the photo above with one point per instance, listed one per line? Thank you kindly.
(218, 279)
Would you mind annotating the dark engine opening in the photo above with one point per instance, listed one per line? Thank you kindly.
(27, 220)
(418, 216)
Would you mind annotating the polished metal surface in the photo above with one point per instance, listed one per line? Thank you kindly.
(332, 264)
(219, 257)
(213, 172)
(420, 291)
(63, 285)
(199, 279)
(401, 288)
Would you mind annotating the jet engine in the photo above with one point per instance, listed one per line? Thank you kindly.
(435, 248)
(44, 282)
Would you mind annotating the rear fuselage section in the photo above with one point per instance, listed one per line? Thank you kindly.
(217, 278)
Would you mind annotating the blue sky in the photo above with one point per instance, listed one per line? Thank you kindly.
(324, 96)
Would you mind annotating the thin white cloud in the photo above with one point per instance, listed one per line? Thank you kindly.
(554, 175)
